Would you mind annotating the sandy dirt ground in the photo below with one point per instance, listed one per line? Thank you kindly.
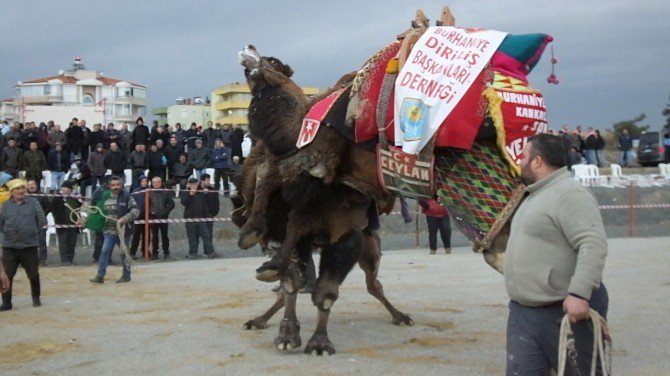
(186, 318)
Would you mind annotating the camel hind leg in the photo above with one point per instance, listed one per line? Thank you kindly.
(369, 263)
(337, 260)
(261, 322)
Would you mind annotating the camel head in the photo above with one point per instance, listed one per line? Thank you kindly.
(262, 69)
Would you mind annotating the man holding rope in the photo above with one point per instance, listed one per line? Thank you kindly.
(555, 259)
(119, 210)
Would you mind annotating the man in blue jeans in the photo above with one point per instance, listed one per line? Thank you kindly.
(554, 263)
(118, 207)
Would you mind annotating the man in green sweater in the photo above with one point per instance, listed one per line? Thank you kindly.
(555, 259)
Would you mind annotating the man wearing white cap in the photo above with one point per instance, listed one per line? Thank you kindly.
(21, 220)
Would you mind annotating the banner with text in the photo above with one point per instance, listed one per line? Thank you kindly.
(441, 67)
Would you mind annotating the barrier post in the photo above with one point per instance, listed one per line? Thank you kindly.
(146, 224)
(631, 209)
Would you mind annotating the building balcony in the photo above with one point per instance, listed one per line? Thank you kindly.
(130, 100)
(243, 120)
(226, 105)
(41, 99)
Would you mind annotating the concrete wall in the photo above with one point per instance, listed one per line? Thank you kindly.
(63, 114)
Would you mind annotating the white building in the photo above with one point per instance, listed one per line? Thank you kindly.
(80, 93)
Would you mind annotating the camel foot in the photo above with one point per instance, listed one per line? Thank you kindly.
(319, 345)
(289, 335)
(400, 318)
(249, 236)
(255, 323)
(268, 272)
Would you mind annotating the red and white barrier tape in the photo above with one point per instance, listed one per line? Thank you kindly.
(636, 206)
(182, 220)
(77, 197)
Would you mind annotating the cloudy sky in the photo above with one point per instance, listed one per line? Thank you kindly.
(614, 55)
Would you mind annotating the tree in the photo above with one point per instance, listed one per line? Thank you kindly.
(634, 129)
(666, 113)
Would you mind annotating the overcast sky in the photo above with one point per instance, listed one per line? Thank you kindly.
(613, 55)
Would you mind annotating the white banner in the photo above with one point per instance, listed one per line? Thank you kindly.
(439, 70)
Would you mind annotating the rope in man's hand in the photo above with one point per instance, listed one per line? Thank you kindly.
(602, 346)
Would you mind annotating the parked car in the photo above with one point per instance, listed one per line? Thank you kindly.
(650, 151)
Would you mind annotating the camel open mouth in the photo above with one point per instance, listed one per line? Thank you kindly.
(249, 57)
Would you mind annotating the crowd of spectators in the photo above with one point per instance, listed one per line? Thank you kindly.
(156, 157)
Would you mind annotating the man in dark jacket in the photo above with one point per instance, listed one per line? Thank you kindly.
(97, 136)
(221, 163)
(112, 135)
(59, 165)
(138, 162)
(11, 158)
(200, 157)
(141, 134)
(157, 163)
(75, 139)
(236, 139)
(210, 135)
(172, 153)
(181, 171)
(196, 203)
(160, 134)
(190, 136)
(21, 219)
(57, 137)
(161, 204)
(625, 147)
(61, 208)
(96, 163)
(33, 162)
(139, 196)
(115, 160)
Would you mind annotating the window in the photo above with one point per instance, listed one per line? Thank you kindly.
(139, 93)
(124, 91)
(32, 90)
(87, 100)
(47, 90)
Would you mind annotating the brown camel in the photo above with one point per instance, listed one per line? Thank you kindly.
(335, 217)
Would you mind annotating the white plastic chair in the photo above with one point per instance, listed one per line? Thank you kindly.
(581, 173)
(664, 169)
(128, 175)
(51, 230)
(46, 180)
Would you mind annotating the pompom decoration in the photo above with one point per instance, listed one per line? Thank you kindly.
(552, 79)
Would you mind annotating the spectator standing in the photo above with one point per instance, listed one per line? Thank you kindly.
(213, 206)
(160, 134)
(196, 202)
(590, 146)
(666, 144)
(157, 163)
(87, 135)
(126, 139)
(138, 195)
(30, 134)
(121, 209)
(33, 162)
(11, 158)
(33, 189)
(437, 218)
(190, 136)
(221, 163)
(554, 262)
(75, 140)
(200, 157)
(161, 204)
(61, 208)
(138, 162)
(112, 135)
(210, 135)
(96, 163)
(59, 164)
(15, 134)
(625, 146)
(21, 219)
(115, 160)
(181, 171)
(236, 139)
(141, 134)
(4, 127)
(179, 134)
(600, 149)
(96, 137)
(43, 140)
(172, 152)
(57, 137)
(226, 132)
